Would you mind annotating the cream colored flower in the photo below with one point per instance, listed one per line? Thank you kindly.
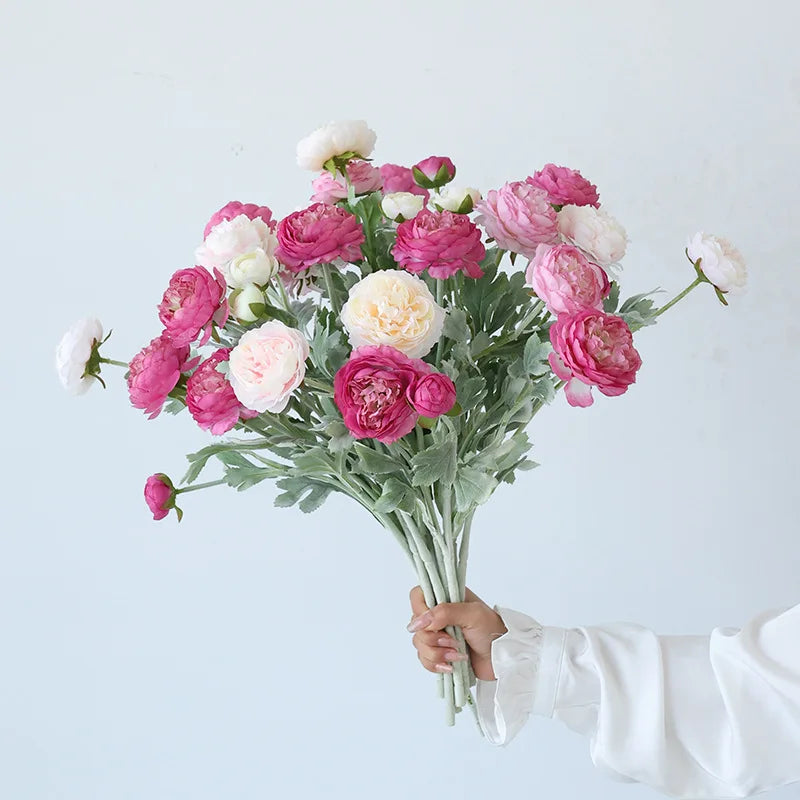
(595, 231)
(258, 266)
(402, 204)
(720, 262)
(395, 308)
(453, 198)
(73, 353)
(334, 139)
(241, 300)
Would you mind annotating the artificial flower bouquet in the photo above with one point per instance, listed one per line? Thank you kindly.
(386, 343)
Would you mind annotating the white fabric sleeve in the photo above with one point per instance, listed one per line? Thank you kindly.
(692, 716)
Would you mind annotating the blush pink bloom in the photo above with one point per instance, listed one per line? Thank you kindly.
(318, 234)
(364, 177)
(566, 280)
(373, 390)
(193, 301)
(441, 242)
(210, 397)
(235, 209)
(591, 348)
(565, 186)
(433, 395)
(434, 171)
(400, 179)
(159, 494)
(519, 217)
(155, 371)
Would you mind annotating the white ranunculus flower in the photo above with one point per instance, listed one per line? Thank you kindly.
(235, 237)
(333, 139)
(720, 261)
(267, 365)
(74, 351)
(452, 198)
(402, 204)
(396, 308)
(256, 267)
(594, 231)
(241, 300)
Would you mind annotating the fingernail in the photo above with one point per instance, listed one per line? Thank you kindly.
(454, 655)
(443, 668)
(422, 621)
(446, 641)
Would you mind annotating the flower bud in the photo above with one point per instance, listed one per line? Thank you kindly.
(244, 303)
(433, 172)
(401, 206)
(460, 199)
(256, 266)
(159, 494)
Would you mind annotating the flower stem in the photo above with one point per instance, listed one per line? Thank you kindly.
(696, 282)
(326, 272)
(440, 287)
(196, 486)
(115, 363)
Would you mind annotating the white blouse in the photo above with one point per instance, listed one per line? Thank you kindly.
(692, 716)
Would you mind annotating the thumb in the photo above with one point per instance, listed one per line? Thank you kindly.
(465, 615)
(418, 604)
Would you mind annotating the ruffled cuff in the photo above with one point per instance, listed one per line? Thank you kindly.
(527, 663)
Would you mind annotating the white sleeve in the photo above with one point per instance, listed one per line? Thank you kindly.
(692, 716)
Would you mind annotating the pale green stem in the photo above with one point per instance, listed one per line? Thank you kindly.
(197, 486)
(321, 386)
(463, 553)
(282, 294)
(115, 363)
(439, 301)
(697, 281)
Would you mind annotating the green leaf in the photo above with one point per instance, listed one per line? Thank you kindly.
(314, 461)
(534, 356)
(543, 389)
(341, 439)
(612, 300)
(479, 343)
(174, 406)
(470, 390)
(395, 494)
(435, 463)
(375, 462)
(455, 325)
(315, 498)
(472, 487)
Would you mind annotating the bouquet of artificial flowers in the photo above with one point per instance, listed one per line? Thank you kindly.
(376, 344)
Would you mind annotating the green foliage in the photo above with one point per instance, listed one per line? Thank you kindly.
(639, 311)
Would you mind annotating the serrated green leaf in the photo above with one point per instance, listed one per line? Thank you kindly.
(375, 462)
(455, 325)
(479, 343)
(174, 406)
(470, 390)
(534, 356)
(472, 487)
(435, 463)
(315, 498)
(314, 461)
(612, 300)
(395, 495)
(543, 389)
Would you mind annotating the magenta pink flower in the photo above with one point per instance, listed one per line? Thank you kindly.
(193, 301)
(433, 394)
(565, 186)
(441, 242)
(364, 177)
(566, 280)
(318, 234)
(400, 179)
(593, 349)
(159, 494)
(519, 217)
(235, 209)
(210, 397)
(434, 171)
(155, 371)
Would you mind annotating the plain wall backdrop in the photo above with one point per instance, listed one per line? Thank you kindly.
(254, 652)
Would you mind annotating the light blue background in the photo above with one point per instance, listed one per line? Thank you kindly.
(252, 652)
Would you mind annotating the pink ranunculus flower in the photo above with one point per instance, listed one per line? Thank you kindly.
(155, 371)
(433, 172)
(400, 179)
(372, 391)
(566, 280)
(441, 242)
(159, 494)
(234, 209)
(565, 186)
(364, 177)
(433, 395)
(519, 217)
(193, 302)
(211, 399)
(591, 348)
(318, 234)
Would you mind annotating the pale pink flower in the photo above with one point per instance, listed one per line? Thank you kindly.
(519, 217)
(267, 365)
(441, 242)
(364, 177)
(234, 209)
(591, 348)
(566, 280)
(720, 261)
(565, 186)
(159, 494)
(400, 179)
(155, 371)
(193, 302)
(210, 397)
(319, 234)
(595, 231)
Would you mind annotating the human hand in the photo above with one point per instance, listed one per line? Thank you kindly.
(437, 650)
